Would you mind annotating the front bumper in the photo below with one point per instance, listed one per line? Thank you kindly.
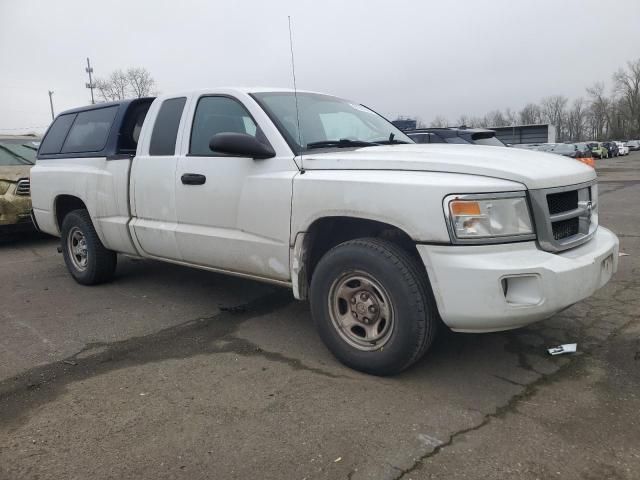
(487, 288)
(14, 211)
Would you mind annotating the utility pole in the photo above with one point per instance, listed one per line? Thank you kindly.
(90, 85)
(51, 104)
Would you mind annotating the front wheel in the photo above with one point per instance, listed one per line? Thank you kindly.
(87, 259)
(372, 306)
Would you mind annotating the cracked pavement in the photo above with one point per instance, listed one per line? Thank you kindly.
(170, 372)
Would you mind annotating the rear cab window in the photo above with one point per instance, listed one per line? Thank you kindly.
(165, 130)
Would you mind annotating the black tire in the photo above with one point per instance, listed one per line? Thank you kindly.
(100, 263)
(405, 283)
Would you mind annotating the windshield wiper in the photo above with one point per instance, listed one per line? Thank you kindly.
(342, 143)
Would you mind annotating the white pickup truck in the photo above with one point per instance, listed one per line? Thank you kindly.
(324, 196)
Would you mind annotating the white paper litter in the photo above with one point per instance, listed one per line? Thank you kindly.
(622, 254)
(566, 348)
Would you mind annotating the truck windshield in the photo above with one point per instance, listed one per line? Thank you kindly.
(327, 122)
(17, 154)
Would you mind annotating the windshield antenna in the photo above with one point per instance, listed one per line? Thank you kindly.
(295, 93)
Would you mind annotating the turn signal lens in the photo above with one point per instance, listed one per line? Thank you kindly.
(588, 161)
(459, 207)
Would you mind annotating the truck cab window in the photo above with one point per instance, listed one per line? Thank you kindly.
(218, 115)
(131, 127)
(165, 130)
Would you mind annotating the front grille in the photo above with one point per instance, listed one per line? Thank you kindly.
(565, 217)
(24, 187)
(565, 228)
(562, 202)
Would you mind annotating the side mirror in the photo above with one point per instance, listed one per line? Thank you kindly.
(240, 144)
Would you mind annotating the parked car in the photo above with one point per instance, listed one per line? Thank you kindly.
(598, 150)
(16, 160)
(612, 149)
(634, 145)
(476, 136)
(546, 147)
(579, 151)
(385, 237)
(583, 150)
(623, 149)
(526, 146)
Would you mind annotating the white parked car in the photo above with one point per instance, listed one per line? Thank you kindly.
(623, 149)
(325, 197)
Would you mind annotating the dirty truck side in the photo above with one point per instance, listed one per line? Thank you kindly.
(386, 238)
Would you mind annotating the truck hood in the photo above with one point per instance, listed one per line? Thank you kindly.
(533, 169)
(13, 173)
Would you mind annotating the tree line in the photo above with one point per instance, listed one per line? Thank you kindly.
(597, 116)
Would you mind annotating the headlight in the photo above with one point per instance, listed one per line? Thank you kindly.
(488, 218)
(4, 186)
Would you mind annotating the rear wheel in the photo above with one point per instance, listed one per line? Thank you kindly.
(87, 259)
(372, 306)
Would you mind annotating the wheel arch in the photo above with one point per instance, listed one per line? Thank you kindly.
(326, 232)
(63, 205)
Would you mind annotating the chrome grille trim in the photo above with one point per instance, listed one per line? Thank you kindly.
(586, 213)
(23, 187)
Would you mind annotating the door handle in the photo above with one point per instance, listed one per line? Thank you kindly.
(193, 179)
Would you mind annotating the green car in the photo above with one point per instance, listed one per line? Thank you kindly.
(598, 150)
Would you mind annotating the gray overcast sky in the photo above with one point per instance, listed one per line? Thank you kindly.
(418, 58)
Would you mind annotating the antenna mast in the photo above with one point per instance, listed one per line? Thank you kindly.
(295, 93)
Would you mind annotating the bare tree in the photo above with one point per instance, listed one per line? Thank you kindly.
(495, 118)
(140, 82)
(553, 112)
(627, 86)
(511, 117)
(465, 120)
(439, 122)
(114, 87)
(576, 121)
(598, 111)
(134, 83)
(530, 114)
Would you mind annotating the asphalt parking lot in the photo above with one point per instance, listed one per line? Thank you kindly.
(170, 372)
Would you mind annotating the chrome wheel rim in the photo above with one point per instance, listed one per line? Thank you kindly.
(361, 311)
(77, 249)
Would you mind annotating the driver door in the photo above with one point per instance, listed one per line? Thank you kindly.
(233, 212)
